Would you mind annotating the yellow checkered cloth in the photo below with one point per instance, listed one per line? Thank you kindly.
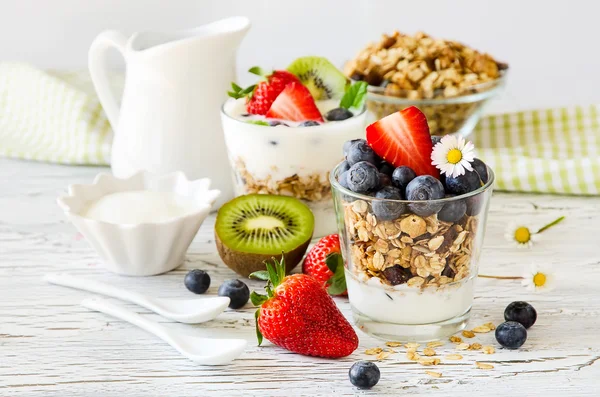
(56, 117)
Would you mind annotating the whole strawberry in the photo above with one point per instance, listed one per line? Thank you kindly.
(260, 97)
(298, 315)
(324, 262)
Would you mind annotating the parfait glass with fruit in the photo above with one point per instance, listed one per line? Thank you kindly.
(283, 134)
(411, 213)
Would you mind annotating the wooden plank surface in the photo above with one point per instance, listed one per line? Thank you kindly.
(50, 345)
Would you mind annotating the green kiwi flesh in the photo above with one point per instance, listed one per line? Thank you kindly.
(257, 227)
(321, 77)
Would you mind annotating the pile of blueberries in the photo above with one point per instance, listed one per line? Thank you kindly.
(365, 172)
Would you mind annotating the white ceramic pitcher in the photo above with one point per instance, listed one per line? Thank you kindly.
(169, 118)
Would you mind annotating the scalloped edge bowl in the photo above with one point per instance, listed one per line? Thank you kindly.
(143, 249)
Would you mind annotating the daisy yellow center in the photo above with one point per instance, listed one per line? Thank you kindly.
(454, 156)
(539, 279)
(522, 235)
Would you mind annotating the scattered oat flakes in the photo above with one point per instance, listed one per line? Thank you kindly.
(475, 346)
(484, 365)
(482, 329)
(455, 339)
(393, 344)
(412, 355)
(412, 345)
(468, 334)
(462, 346)
(490, 326)
(434, 374)
(428, 351)
(383, 355)
(487, 349)
(454, 357)
(373, 351)
(435, 343)
(428, 361)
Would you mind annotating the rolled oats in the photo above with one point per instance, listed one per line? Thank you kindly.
(463, 346)
(455, 339)
(393, 344)
(454, 357)
(428, 351)
(412, 355)
(487, 349)
(412, 345)
(468, 334)
(482, 329)
(475, 346)
(436, 343)
(434, 374)
(484, 365)
(428, 361)
(373, 351)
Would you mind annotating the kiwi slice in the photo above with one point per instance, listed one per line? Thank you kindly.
(323, 80)
(257, 227)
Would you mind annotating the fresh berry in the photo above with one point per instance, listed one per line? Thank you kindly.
(481, 169)
(463, 184)
(197, 281)
(386, 209)
(402, 176)
(521, 312)
(349, 143)
(275, 123)
(294, 104)
(343, 167)
(386, 168)
(343, 179)
(435, 139)
(453, 210)
(364, 374)
(361, 151)
(384, 180)
(424, 188)
(397, 274)
(261, 96)
(299, 315)
(338, 114)
(324, 262)
(237, 291)
(511, 334)
(475, 204)
(402, 138)
(309, 123)
(363, 177)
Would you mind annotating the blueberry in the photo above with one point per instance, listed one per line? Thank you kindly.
(521, 312)
(237, 292)
(343, 179)
(397, 274)
(463, 184)
(475, 204)
(386, 168)
(362, 177)
(309, 123)
(197, 281)
(347, 145)
(338, 114)
(384, 180)
(388, 210)
(453, 210)
(275, 123)
(343, 167)
(425, 188)
(402, 176)
(481, 169)
(361, 151)
(435, 139)
(364, 374)
(511, 334)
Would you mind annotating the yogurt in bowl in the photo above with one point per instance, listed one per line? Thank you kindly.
(292, 147)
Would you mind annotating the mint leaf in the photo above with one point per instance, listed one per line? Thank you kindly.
(355, 96)
(258, 333)
(258, 122)
(337, 282)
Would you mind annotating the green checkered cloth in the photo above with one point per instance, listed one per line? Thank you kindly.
(56, 117)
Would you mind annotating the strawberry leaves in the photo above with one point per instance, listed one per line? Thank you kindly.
(336, 284)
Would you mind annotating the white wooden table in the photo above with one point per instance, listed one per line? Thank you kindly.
(50, 345)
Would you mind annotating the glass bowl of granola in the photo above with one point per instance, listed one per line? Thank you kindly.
(411, 265)
(448, 81)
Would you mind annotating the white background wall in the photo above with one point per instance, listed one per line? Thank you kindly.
(551, 45)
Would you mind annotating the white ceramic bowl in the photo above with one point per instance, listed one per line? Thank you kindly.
(143, 249)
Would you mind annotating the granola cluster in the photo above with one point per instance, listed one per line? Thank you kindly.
(419, 251)
(421, 67)
(313, 187)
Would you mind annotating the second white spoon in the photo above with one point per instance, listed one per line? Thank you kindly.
(189, 311)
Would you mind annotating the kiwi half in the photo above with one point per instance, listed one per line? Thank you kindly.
(257, 227)
(321, 77)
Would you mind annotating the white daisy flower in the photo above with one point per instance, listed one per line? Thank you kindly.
(453, 156)
(520, 235)
(538, 278)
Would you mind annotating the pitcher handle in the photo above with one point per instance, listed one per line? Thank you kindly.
(97, 57)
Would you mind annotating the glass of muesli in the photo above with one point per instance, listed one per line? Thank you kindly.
(411, 277)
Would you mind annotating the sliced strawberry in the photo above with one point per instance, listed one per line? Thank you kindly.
(295, 103)
(403, 138)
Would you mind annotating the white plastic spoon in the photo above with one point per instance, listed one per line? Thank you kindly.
(189, 311)
(205, 351)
